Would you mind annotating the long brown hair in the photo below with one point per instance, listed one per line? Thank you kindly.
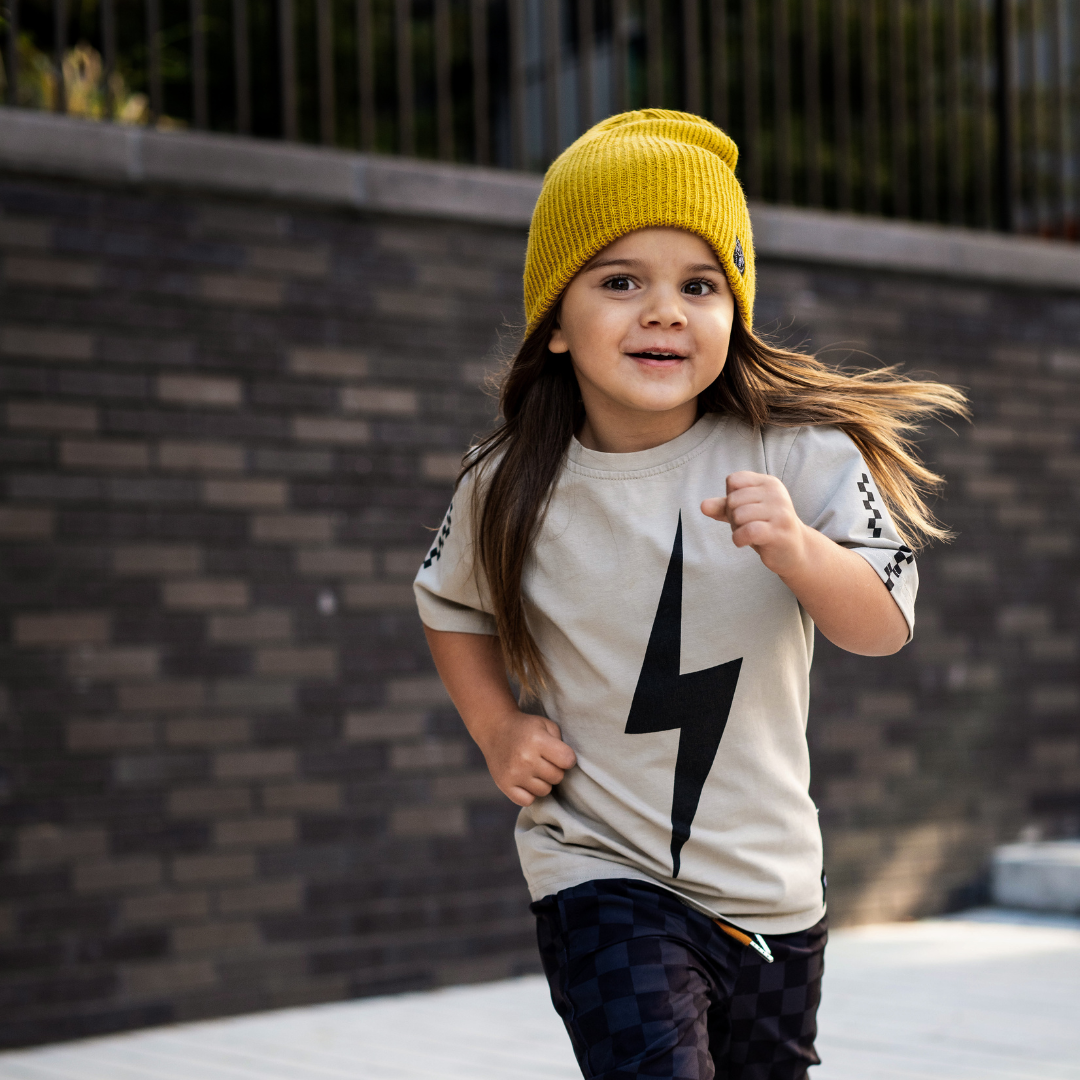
(516, 466)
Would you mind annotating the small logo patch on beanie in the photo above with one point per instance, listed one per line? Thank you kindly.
(737, 255)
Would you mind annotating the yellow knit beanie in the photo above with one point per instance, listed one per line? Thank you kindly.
(638, 170)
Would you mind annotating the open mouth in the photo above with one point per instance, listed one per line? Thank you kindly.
(649, 354)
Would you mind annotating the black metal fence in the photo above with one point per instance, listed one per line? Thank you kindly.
(962, 111)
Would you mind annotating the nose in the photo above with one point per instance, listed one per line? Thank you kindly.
(665, 311)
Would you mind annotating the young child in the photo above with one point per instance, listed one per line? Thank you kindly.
(646, 544)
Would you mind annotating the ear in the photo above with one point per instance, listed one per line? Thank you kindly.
(557, 343)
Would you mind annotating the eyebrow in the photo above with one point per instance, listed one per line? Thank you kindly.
(697, 268)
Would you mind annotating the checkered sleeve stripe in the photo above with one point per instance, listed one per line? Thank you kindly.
(436, 551)
(903, 556)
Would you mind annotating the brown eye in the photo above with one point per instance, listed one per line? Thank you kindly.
(619, 284)
(697, 288)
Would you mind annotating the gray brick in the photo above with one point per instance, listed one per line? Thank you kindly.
(432, 754)
(208, 731)
(256, 695)
(246, 494)
(886, 705)
(258, 626)
(471, 280)
(104, 454)
(215, 938)
(309, 795)
(205, 594)
(25, 523)
(152, 559)
(300, 262)
(255, 832)
(51, 273)
(162, 696)
(423, 307)
(26, 233)
(255, 764)
(234, 219)
(241, 290)
(207, 869)
(379, 401)
(1056, 647)
(429, 821)
(468, 787)
(205, 390)
(329, 429)
(63, 628)
(1024, 619)
(377, 595)
(95, 736)
(165, 907)
(118, 662)
(117, 875)
(404, 563)
(209, 801)
(45, 344)
(441, 466)
(418, 690)
(50, 416)
(204, 457)
(1052, 700)
(48, 845)
(167, 977)
(57, 488)
(330, 363)
(292, 528)
(297, 661)
(299, 462)
(335, 562)
(383, 724)
(265, 898)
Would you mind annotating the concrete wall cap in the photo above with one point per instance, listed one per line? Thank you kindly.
(45, 144)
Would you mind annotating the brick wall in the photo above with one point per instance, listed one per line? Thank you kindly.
(232, 780)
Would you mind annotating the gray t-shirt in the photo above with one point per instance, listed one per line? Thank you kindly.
(679, 666)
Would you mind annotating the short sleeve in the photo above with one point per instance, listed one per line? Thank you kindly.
(833, 491)
(447, 591)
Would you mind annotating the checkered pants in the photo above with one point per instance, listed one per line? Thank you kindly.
(647, 986)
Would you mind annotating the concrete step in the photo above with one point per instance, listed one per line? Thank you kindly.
(1041, 876)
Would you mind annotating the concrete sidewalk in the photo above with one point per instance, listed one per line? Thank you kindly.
(986, 996)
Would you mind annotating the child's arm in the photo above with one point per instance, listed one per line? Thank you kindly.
(525, 754)
(839, 589)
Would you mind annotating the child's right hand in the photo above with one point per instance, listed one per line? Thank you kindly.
(526, 756)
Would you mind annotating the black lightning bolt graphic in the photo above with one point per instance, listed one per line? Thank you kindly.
(697, 703)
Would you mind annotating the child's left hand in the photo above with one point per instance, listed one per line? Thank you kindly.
(758, 508)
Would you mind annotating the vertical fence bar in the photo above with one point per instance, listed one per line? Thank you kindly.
(199, 102)
(444, 102)
(1064, 143)
(324, 53)
(982, 160)
(108, 49)
(718, 65)
(955, 159)
(654, 54)
(898, 106)
(242, 66)
(59, 48)
(871, 132)
(691, 58)
(842, 103)
(811, 101)
(406, 103)
(365, 75)
(480, 100)
(1036, 124)
(12, 57)
(153, 57)
(517, 82)
(586, 47)
(751, 99)
(927, 115)
(290, 120)
(1009, 116)
(552, 48)
(620, 47)
(782, 99)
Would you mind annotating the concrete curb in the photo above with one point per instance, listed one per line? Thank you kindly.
(46, 144)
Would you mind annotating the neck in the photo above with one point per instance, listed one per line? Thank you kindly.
(641, 431)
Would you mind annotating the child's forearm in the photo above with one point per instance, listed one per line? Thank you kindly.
(844, 596)
(525, 754)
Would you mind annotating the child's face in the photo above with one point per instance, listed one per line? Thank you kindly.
(647, 324)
